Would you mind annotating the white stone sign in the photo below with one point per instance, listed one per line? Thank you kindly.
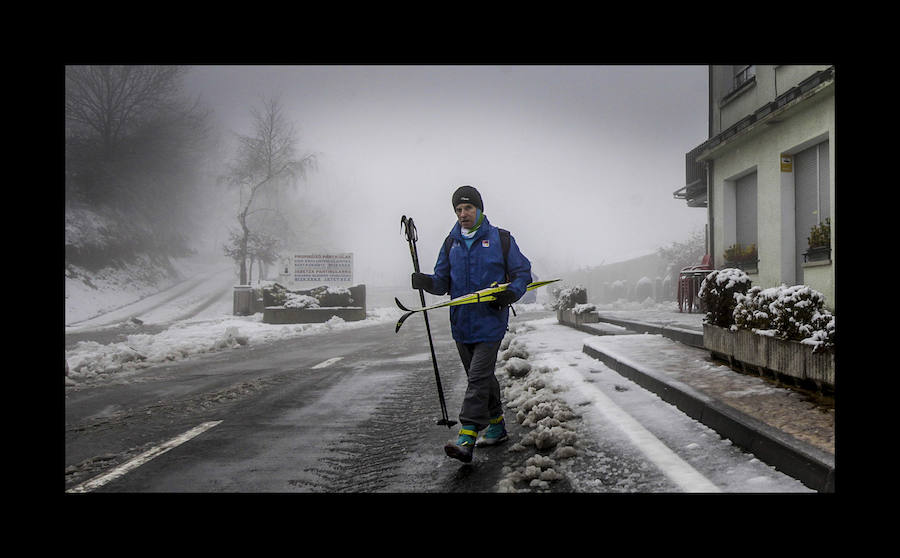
(323, 268)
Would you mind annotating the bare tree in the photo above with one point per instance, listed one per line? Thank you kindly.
(111, 100)
(134, 151)
(265, 161)
(679, 255)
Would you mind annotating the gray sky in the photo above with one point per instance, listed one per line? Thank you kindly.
(578, 162)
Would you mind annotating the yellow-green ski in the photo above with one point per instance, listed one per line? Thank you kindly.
(484, 295)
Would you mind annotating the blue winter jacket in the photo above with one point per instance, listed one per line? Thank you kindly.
(467, 269)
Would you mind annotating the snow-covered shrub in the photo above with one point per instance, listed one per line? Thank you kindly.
(796, 313)
(293, 300)
(570, 297)
(718, 294)
(823, 332)
(752, 309)
(793, 311)
(643, 289)
(584, 308)
(331, 296)
(275, 294)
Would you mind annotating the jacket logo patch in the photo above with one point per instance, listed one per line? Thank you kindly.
(486, 243)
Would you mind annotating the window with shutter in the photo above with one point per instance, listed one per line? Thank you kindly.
(812, 201)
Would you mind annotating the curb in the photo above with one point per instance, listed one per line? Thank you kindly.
(806, 463)
(682, 335)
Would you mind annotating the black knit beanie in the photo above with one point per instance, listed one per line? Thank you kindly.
(467, 194)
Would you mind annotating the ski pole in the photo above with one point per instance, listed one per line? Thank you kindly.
(412, 236)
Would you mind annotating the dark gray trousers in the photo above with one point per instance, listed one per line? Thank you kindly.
(482, 401)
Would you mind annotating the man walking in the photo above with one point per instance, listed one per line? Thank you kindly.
(476, 255)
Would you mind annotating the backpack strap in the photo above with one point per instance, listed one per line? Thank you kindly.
(448, 242)
(504, 242)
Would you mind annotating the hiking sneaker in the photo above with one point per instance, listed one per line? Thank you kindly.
(495, 433)
(464, 445)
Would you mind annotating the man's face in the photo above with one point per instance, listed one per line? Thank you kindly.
(465, 213)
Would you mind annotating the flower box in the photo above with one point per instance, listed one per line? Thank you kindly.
(745, 258)
(819, 240)
(282, 315)
(818, 367)
(718, 340)
(570, 316)
(768, 353)
(749, 266)
(785, 357)
(817, 254)
(749, 348)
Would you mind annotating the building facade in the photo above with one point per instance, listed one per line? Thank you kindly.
(766, 174)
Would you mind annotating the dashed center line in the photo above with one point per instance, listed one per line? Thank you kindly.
(136, 462)
(326, 363)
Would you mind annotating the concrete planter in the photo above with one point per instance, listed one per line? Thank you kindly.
(718, 340)
(749, 348)
(571, 317)
(763, 352)
(818, 367)
(282, 315)
(786, 357)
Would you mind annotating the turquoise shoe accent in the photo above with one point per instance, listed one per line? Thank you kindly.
(495, 433)
(467, 435)
(464, 446)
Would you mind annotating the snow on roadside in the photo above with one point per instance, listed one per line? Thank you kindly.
(530, 392)
(661, 313)
(542, 372)
(90, 362)
(90, 294)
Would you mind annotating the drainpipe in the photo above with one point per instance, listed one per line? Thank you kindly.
(710, 87)
(709, 188)
(709, 215)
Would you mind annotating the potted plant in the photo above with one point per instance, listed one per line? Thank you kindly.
(819, 242)
(741, 257)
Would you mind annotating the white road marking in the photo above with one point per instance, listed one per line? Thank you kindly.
(328, 362)
(673, 466)
(136, 462)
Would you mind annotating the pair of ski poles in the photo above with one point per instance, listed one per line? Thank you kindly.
(409, 229)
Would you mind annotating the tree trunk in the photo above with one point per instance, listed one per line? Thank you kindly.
(243, 259)
(242, 218)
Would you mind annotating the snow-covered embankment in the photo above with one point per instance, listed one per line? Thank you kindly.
(529, 391)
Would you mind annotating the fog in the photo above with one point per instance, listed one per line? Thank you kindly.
(578, 162)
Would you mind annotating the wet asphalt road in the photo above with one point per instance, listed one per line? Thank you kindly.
(346, 411)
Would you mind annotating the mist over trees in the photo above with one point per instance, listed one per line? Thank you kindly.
(134, 152)
(265, 168)
(679, 255)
